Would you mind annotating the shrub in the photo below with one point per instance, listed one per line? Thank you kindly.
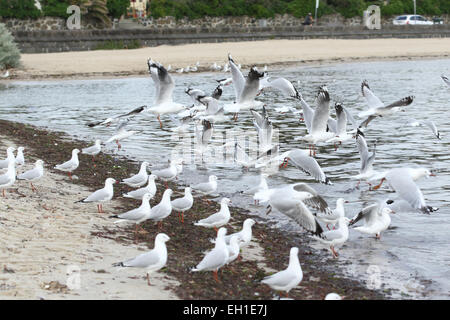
(55, 8)
(117, 8)
(9, 53)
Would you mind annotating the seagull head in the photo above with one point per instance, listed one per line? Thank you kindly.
(162, 238)
(110, 181)
(249, 222)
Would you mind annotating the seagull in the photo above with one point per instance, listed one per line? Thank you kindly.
(341, 133)
(8, 178)
(213, 112)
(215, 67)
(259, 187)
(163, 209)
(335, 215)
(203, 135)
(9, 158)
(366, 171)
(283, 85)
(139, 179)
(245, 89)
(71, 165)
(170, 173)
(183, 204)
(153, 260)
(288, 278)
(303, 161)
(291, 200)
(93, 150)
(118, 118)
(137, 215)
(217, 219)
(20, 159)
(217, 257)
(401, 180)
(377, 108)
(139, 193)
(428, 123)
(376, 218)
(102, 195)
(121, 133)
(245, 235)
(233, 249)
(333, 296)
(194, 94)
(164, 89)
(446, 80)
(336, 237)
(264, 128)
(206, 188)
(33, 174)
(5, 75)
(180, 70)
(318, 131)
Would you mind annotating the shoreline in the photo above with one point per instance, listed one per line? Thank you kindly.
(240, 280)
(123, 63)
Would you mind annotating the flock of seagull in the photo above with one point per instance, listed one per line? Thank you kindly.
(298, 201)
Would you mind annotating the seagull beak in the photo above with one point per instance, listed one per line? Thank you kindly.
(432, 175)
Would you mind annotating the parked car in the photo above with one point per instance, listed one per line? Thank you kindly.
(411, 19)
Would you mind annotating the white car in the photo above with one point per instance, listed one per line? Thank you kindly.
(411, 19)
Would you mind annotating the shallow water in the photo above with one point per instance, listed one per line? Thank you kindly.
(413, 257)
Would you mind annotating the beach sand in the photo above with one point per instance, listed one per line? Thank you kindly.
(268, 52)
(45, 236)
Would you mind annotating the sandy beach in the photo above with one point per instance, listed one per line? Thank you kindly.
(50, 240)
(269, 52)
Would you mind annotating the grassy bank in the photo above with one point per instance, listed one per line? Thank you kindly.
(239, 280)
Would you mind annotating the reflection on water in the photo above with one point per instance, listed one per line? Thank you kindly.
(413, 257)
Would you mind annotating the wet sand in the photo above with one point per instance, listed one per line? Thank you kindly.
(113, 63)
(43, 244)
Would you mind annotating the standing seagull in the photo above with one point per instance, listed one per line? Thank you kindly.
(139, 193)
(335, 237)
(71, 165)
(183, 204)
(217, 257)
(163, 209)
(102, 195)
(245, 235)
(93, 150)
(34, 174)
(289, 278)
(153, 260)
(377, 108)
(20, 159)
(336, 214)
(7, 179)
(137, 215)
(164, 89)
(9, 158)
(170, 173)
(206, 188)
(217, 219)
(139, 179)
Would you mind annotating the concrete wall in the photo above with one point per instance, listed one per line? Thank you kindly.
(79, 40)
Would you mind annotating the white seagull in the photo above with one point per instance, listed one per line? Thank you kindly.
(163, 209)
(289, 278)
(139, 179)
(336, 237)
(121, 133)
(377, 108)
(376, 218)
(8, 178)
(70, 165)
(206, 188)
(170, 173)
(335, 215)
(9, 158)
(217, 219)
(245, 235)
(139, 193)
(33, 174)
(153, 260)
(137, 215)
(20, 159)
(366, 171)
(233, 249)
(217, 257)
(93, 150)
(102, 195)
(184, 203)
(164, 89)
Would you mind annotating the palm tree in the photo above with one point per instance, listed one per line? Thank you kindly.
(95, 9)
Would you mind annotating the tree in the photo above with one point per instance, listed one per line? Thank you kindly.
(117, 8)
(21, 9)
(9, 53)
